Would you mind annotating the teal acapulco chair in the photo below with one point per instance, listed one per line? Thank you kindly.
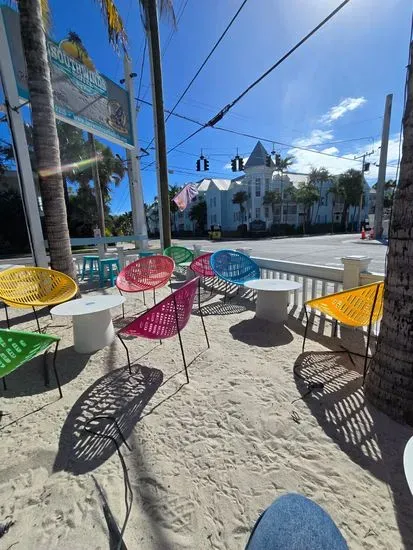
(234, 267)
(18, 347)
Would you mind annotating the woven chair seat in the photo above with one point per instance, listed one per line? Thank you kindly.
(35, 287)
(234, 267)
(202, 265)
(179, 254)
(147, 273)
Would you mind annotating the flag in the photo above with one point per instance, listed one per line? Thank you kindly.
(184, 197)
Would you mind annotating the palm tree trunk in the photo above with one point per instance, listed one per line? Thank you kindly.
(389, 382)
(150, 7)
(45, 140)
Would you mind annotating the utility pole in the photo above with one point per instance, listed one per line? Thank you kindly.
(151, 16)
(363, 161)
(134, 166)
(378, 214)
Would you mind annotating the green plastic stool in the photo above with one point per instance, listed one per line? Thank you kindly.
(91, 264)
(110, 264)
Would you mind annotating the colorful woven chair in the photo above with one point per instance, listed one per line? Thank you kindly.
(17, 348)
(234, 267)
(166, 319)
(357, 307)
(202, 267)
(179, 254)
(31, 287)
(144, 274)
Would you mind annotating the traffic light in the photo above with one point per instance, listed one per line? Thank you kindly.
(277, 160)
(198, 165)
(206, 164)
(234, 165)
(366, 166)
(240, 164)
(268, 161)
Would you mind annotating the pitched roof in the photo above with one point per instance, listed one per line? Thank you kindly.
(258, 157)
(222, 184)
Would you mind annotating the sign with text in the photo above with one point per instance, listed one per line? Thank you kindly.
(82, 96)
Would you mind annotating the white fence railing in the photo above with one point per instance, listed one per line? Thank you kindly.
(316, 280)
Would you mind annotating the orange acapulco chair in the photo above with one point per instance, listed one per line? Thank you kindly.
(357, 307)
(31, 287)
(148, 273)
(166, 319)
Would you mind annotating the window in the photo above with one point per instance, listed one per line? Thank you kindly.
(215, 201)
(258, 187)
(210, 202)
(266, 212)
(257, 213)
(267, 184)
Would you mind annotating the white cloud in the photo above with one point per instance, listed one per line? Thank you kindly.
(346, 105)
(305, 160)
(317, 137)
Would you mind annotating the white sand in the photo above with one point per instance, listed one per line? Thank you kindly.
(206, 457)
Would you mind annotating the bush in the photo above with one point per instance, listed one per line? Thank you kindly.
(279, 230)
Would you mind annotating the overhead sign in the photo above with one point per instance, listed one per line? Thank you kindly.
(82, 96)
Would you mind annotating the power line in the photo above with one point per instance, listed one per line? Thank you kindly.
(219, 116)
(142, 65)
(207, 58)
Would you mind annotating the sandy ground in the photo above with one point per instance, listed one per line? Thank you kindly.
(204, 459)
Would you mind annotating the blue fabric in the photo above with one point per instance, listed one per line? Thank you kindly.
(234, 267)
(294, 522)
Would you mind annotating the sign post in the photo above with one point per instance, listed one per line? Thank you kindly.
(21, 152)
(134, 169)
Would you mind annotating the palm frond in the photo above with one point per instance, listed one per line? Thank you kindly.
(166, 9)
(114, 23)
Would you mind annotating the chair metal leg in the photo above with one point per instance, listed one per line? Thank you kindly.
(37, 320)
(154, 298)
(123, 305)
(127, 353)
(369, 333)
(55, 370)
(306, 328)
(7, 315)
(203, 324)
(225, 291)
(144, 299)
(4, 383)
(45, 370)
(335, 328)
(180, 341)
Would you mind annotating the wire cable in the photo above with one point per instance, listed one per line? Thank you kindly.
(142, 67)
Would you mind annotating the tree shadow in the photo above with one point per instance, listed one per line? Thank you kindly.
(367, 436)
(29, 379)
(258, 332)
(118, 395)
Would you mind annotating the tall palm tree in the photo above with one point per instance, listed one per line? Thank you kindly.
(318, 177)
(150, 22)
(240, 197)
(389, 380)
(282, 166)
(306, 195)
(272, 198)
(336, 192)
(33, 27)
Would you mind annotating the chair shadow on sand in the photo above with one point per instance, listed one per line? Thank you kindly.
(117, 395)
(258, 332)
(368, 437)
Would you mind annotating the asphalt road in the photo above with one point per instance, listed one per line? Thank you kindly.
(321, 250)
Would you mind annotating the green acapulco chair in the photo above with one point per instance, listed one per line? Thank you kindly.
(18, 347)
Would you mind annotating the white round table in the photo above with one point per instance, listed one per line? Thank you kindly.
(408, 463)
(92, 321)
(272, 298)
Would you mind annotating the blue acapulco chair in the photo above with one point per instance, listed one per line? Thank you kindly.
(234, 268)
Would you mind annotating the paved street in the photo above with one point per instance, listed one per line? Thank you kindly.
(320, 250)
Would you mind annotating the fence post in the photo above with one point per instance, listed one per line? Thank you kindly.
(353, 266)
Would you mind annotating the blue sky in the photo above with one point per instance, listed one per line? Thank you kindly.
(331, 90)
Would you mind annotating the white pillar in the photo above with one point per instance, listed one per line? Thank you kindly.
(134, 169)
(353, 266)
(21, 152)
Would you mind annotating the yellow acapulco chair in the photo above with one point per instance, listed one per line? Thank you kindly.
(357, 307)
(31, 287)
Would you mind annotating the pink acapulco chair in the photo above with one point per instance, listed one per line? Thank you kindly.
(148, 273)
(166, 319)
(202, 267)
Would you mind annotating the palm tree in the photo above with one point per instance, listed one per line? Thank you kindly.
(336, 191)
(289, 196)
(307, 195)
(272, 198)
(198, 214)
(282, 166)
(150, 22)
(33, 18)
(318, 177)
(351, 185)
(240, 197)
(173, 191)
(390, 377)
